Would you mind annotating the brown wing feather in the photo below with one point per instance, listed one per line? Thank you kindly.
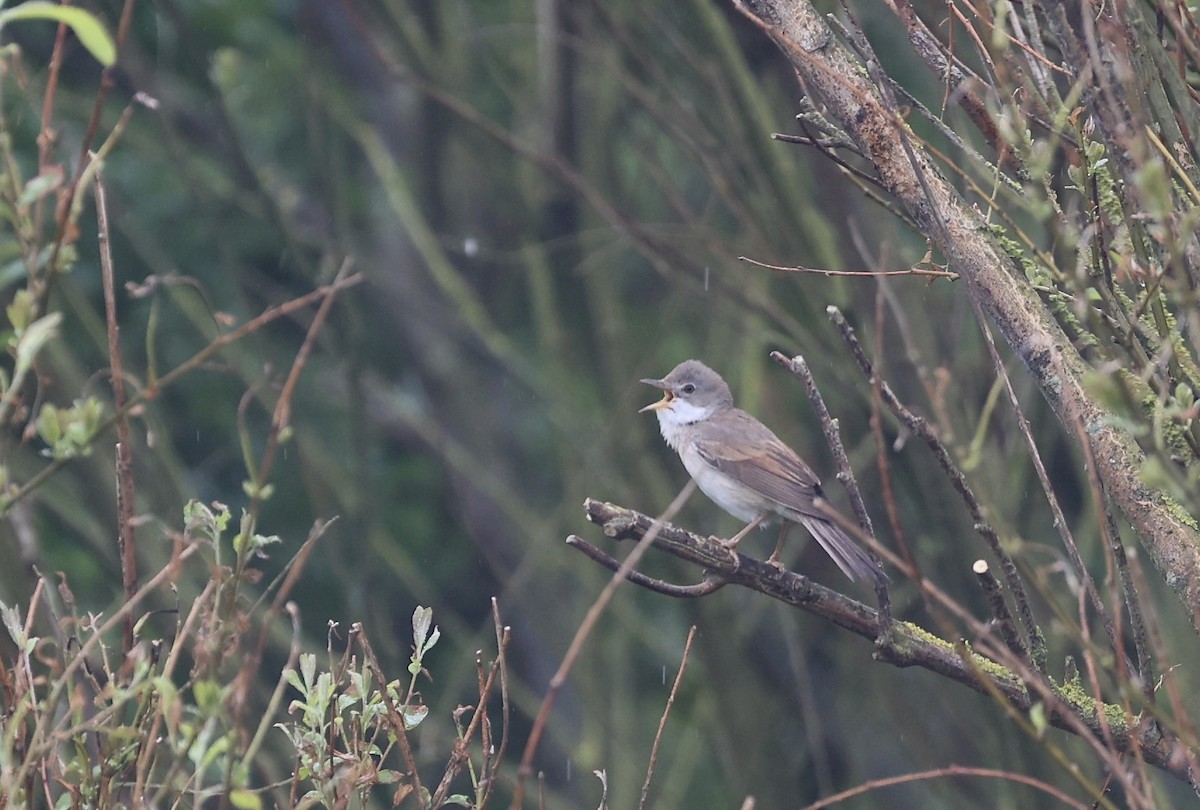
(778, 474)
(736, 448)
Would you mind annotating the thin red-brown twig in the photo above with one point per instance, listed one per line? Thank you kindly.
(662, 721)
(126, 542)
(581, 635)
(503, 634)
(942, 773)
(912, 271)
(44, 737)
(394, 715)
(283, 407)
(708, 585)
(479, 722)
(47, 136)
(195, 361)
(63, 222)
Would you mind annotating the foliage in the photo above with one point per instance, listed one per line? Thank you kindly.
(87, 726)
(83, 24)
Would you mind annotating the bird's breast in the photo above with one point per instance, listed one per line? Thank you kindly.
(673, 430)
(733, 496)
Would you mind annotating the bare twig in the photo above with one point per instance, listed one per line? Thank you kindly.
(43, 737)
(1112, 540)
(269, 713)
(503, 634)
(941, 773)
(708, 585)
(881, 446)
(662, 722)
(479, 722)
(394, 714)
(1060, 520)
(1000, 613)
(47, 137)
(921, 428)
(283, 406)
(66, 210)
(912, 271)
(833, 437)
(581, 635)
(192, 363)
(126, 541)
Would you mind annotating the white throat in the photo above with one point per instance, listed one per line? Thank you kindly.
(674, 420)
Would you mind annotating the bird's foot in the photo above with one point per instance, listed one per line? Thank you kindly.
(731, 547)
(776, 563)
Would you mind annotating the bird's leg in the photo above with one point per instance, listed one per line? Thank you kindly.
(773, 560)
(737, 538)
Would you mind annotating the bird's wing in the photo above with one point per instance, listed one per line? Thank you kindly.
(748, 451)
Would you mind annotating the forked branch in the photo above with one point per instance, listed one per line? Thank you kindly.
(907, 645)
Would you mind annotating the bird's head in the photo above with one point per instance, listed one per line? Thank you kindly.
(691, 392)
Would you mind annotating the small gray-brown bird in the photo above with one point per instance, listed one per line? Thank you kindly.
(744, 468)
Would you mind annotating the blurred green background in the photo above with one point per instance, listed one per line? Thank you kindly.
(548, 200)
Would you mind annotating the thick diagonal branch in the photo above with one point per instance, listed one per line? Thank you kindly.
(850, 98)
(907, 645)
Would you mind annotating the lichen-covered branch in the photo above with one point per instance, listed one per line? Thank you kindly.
(843, 88)
(906, 644)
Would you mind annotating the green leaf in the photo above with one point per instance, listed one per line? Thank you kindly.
(308, 668)
(168, 695)
(33, 339)
(22, 310)
(208, 696)
(1037, 716)
(294, 679)
(40, 186)
(91, 32)
(413, 715)
(12, 622)
(212, 522)
(244, 799)
(218, 749)
(433, 639)
(48, 425)
(421, 619)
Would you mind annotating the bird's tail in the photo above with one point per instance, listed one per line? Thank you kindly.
(849, 556)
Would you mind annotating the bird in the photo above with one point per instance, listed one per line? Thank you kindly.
(743, 467)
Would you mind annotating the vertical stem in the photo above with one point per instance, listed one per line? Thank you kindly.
(125, 534)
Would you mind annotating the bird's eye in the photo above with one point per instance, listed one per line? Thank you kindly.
(689, 389)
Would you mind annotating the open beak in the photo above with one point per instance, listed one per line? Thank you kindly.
(668, 396)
